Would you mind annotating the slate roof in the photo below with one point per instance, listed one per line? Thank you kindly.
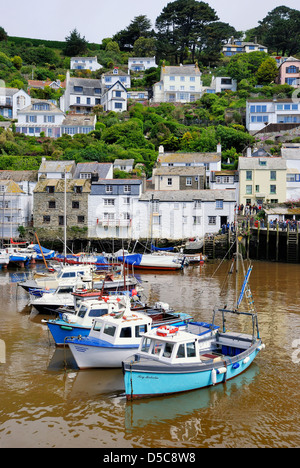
(19, 176)
(102, 169)
(189, 195)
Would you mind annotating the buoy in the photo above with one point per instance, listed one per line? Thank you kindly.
(166, 330)
(221, 370)
(214, 376)
(247, 359)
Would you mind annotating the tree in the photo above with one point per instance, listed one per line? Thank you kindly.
(182, 25)
(279, 30)
(267, 71)
(75, 44)
(140, 26)
(3, 34)
(144, 47)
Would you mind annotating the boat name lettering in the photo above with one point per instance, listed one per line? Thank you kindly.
(147, 377)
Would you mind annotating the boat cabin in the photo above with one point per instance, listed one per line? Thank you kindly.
(88, 311)
(121, 329)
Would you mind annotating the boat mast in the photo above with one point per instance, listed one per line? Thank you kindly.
(65, 218)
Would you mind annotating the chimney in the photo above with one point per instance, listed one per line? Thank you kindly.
(249, 152)
(219, 148)
(161, 150)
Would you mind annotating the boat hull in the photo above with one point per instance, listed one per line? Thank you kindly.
(143, 383)
(100, 357)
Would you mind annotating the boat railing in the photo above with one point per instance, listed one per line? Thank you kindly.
(253, 316)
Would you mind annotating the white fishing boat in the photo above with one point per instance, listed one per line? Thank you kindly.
(151, 261)
(112, 338)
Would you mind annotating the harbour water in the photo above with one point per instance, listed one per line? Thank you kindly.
(47, 402)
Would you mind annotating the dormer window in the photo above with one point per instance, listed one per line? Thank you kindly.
(78, 89)
(116, 71)
(78, 189)
(50, 189)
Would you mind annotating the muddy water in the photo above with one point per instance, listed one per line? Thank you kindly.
(47, 404)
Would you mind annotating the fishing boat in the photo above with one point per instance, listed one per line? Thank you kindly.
(79, 321)
(4, 258)
(173, 361)
(112, 338)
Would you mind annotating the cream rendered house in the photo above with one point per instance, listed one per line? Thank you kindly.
(262, 179)
(178, 84)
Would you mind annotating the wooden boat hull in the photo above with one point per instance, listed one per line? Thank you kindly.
(143, 379)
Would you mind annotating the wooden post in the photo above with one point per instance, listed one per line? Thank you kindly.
(267, 249)
(277, 240)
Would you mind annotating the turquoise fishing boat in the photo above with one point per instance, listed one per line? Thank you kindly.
(171, 361)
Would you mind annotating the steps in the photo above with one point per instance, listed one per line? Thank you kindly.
(292, 247)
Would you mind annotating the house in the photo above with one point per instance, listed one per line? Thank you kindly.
(56, 169)
(74, 124)
(39, 84)
(262, 112)
(181, 214)
(138, 96)
(237, 46)
(112, 207)
(124, 164)
(178, 84)
(179, 178)
(290, 152)
(110, 78)
(115, 98)
(225, 180)
(81, 95)
(12, 100)
(40, 116)
(262, 179)
(85, 63)
(49, 204)
(210, 161)
(93, 171)
(220, 84)
(289, 72)
(15, 208)
(137, 64)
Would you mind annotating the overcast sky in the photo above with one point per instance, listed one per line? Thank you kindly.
(97, 19)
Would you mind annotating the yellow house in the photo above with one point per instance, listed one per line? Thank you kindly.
(262, 179)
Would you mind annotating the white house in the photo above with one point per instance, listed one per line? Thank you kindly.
(81, 95)
(115, 98)
(290, 152)
(262, 112)
(40, 116)
(56, 169)
(220, 84)
(225, 180)
(74, 124)
(111, 208)
(110, 78)
(137, 64)
(178, 84)
(182, 214)
(12, 100)
(85, 63)
(124, 164)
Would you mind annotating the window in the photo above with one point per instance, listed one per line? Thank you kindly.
(52, 204)
(78, 89)
(80, 219)
(191, 349)
(248, 189)
(292, 69)
(256, 188)
(118, 93)
(109, 329)
(188, 181)
(50, 189)
(88, 100)
(127, 188)
(169, 180)
(180, 351)
(248, 175)
(78, 189)
(212, 220)
(197, 204)
(168, 350)
(146, 345)
(272, 188)
(196, 219)
(125, 332)
(126, 201)
(46, 219)
(219, 204)
(272, 175)
(139, 329)
(61, 220)
(109, 201)
(118, 105)
(78, 100)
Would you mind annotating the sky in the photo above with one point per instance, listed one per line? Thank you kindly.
(97, 19)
